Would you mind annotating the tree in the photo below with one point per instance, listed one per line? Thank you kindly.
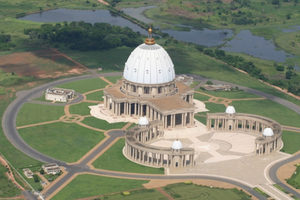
(42, 171)
(288, 16)
(290, 67)
(209, 83)
(36, 178)
(280, 68)
(289, 74)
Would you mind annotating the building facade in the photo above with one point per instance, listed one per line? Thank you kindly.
(59, 94)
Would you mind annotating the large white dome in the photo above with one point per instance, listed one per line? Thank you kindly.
(149, 64)
(177, 145)
(230, 110)
(268, 132)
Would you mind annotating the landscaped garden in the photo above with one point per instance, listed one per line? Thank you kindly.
(88, 185)
(95, 96)
(102, 124)
(81, 108)
(36, 113)
(113, 159)
(64, 141)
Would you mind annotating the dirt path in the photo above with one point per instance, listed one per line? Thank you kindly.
(67, 57)
(42, 123)
(164, 193)
(127, 125)
(10, 175)
(104, 2)
(107, 81)
(93, 101)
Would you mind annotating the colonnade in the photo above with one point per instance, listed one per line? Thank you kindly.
(142, 108)
(251, 124)
(137, 149)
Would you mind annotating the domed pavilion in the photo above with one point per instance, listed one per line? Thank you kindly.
(149, 88)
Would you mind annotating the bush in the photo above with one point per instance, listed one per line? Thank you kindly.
(209, 83)
(280, 68)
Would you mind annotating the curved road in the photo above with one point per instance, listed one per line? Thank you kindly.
(10, 131)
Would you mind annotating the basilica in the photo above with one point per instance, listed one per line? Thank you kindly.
(149, 88)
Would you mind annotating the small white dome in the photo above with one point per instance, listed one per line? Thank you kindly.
(177, 145)
(230, 110)
(149, 64)
(268, 132)
(143, 121)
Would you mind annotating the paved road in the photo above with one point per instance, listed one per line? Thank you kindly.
(9, 121)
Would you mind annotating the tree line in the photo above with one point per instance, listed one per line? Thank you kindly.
(85, 36)
(5, 42)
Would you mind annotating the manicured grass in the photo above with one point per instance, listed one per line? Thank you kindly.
(96, 96)
(107, 60)
(113, 159)
(269, 109)
(295, 178)
(2, 90)
(85, 85)
(213, 108)
(102, 124)
(35, 113)
(183, 191)
(81, 108)
(151, 194)
(7, 188)
(91, 185)
(201, 97)
(63, 141)
(261, 192)
(291, 142)
(113, 79)
(231, 94)
(201, 119)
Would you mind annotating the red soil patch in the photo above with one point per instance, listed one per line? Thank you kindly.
(39, 64)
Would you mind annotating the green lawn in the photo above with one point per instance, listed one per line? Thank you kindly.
(35, 113)
(201, 119)
(295, 178)
(183, 191)
(213, 108)
(113, 79)
(91, 185)
(7, 188)
(113, 159)
(85, 85)
(231, 94)
(112, 60)
(201, 97)
(63, 141)
(102, 124)
(81, 108)
(151, 194)
(269, 109)
(291, 142)
(2, 90)
(96, 96)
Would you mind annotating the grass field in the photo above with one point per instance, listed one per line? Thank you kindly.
(291, 142)
(201, 119)
(2, 90)
(35, 113)
(63, 141)
(113, 79)
(96, 96)
(231, 94)
(150, 194)
(213, 108)
(269, 109)
(102, 124)
(7, 188)
(201, 97)
(81, 108)
(83, 86)
(91, 185)
(113, 159)
(183, 191)
(110, 61)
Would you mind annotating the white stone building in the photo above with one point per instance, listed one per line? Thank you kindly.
(59, 94)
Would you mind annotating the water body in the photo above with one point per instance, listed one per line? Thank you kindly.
(291, 29)
(60, 15)
(137, 13)
(255, 46)
(243, 42)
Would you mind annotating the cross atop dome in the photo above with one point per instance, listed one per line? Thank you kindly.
(150, 40)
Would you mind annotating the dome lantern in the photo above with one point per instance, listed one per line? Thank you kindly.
(177, 145)
(150, 40)
(143, 121)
